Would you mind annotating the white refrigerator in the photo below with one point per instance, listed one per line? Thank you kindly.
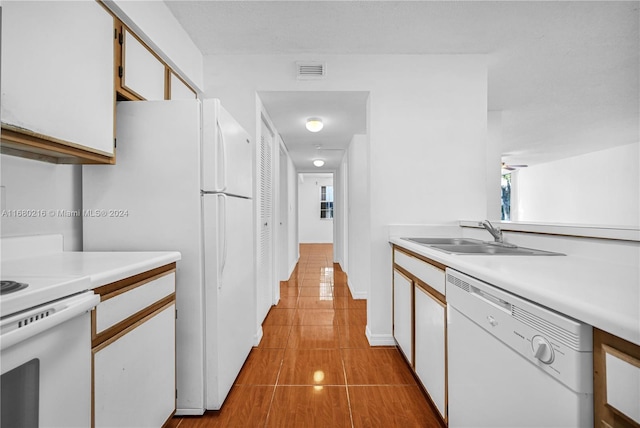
(183, 180)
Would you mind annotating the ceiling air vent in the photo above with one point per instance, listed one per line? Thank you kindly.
(310, 70)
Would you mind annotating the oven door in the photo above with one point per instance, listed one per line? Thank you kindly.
(46, 365)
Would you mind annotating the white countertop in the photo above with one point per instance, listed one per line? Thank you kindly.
(101, 267)
(605, 295)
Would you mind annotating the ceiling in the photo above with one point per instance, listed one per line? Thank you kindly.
(565, 75)
(343, 114)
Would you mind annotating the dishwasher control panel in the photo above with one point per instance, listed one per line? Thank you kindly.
(554, 342)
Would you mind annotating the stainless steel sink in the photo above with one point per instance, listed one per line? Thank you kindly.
(477, 247)
(444, 241)
(488, 248)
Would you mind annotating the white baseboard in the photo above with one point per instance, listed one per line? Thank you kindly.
(292, 267)
(356, 294)
(359, 295)
(189, 412)
(258, 337)
(379, 339)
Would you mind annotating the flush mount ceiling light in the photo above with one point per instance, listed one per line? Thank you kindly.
(314, 124)
(318, 162)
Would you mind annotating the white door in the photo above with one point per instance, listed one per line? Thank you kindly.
(265, 249)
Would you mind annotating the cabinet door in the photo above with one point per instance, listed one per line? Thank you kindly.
(616, 381)
(134, 375)
(430, 345)
(57, 72)
(402, 314)
(142, 73)
(179, 90)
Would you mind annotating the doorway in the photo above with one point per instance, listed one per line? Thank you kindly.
(315, 208)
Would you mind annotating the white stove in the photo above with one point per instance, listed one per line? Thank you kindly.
(26, 292)
(45, 339)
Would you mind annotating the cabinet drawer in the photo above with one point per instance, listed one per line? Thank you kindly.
(422, 270)
(118, 306)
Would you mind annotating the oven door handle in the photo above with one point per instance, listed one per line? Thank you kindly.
(62, 311)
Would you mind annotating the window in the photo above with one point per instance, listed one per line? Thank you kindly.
(326, 201)
(506, 197)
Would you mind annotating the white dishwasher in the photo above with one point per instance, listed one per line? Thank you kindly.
(513, 363)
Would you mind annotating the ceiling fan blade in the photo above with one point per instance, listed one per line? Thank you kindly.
(510, 167)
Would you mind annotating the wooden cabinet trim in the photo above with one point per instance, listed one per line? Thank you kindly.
(421, 284)
(421, 257)
(119, 287)
(167, 83)
(621, 355)
(113, 333)
(124, 92)
(603, 343)
(408, 358)
(115, 288)
(170, 73)
(435, 294)
(32, 145)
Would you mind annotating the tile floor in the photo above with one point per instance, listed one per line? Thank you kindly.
(314, 366)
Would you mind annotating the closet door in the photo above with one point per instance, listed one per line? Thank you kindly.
(265, 249)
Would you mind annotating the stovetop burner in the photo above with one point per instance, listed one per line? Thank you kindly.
(7, 287)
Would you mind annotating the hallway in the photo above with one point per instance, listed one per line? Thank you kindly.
(314, 366)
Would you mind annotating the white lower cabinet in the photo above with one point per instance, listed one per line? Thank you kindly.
(420, 321)
(402, 314)
(134, 351)
(430, 346)
(135, 375)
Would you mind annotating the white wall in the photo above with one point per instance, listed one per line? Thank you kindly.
(494, 165)
(294, 248)
(50, 192)
(313, 229)
(425, 114)
(359, 217)
(340, 230)
(599, 188)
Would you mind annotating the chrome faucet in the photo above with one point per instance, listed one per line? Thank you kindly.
(494, 231)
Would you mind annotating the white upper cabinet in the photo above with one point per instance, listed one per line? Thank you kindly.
(179, 90)
(57, 75)
(142, 73)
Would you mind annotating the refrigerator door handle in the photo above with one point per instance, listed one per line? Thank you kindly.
(223, 163)
(223, 232)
